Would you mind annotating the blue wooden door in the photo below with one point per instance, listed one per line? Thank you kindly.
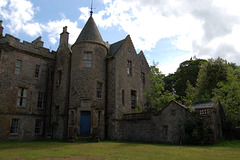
(85, 123)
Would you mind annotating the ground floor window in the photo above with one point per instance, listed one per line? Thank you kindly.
(15, 126)
(38, 126)
(165, 130)
(133, 99)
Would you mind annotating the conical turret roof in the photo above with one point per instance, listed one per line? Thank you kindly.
(90, 33)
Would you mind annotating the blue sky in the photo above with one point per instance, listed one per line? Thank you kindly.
(168, 31)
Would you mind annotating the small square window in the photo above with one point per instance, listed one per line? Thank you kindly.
(203, 112)
(173, 112)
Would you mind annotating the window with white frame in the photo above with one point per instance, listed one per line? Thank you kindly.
(22, 97)
(15, 126)
(38, 126)
(18, 66)
(87, 59)
(41, 96)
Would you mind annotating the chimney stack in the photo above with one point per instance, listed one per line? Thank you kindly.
(64, 36)
(1, 28)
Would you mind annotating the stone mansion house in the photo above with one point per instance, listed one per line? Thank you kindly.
(79, 89)
(90, 88)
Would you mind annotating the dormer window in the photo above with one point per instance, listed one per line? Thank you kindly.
(203, 112)
(87, 59)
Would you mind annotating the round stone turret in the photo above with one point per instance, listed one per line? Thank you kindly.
(90, 33)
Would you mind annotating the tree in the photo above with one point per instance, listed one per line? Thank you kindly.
(211, 73)
(190, 94)
(157, 97)
(228, 93)
(187, 71)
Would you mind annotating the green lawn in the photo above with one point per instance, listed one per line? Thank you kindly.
(118, 150)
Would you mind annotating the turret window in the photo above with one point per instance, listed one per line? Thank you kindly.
(87, 59)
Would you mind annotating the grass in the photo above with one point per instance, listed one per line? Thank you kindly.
(118, 151)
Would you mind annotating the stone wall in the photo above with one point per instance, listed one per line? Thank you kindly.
(30, 55)
(120, 81)
(152, 128)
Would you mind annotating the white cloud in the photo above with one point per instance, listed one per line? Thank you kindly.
(19, 13)
(3, 3)
(32, 29)
(54, 28)
(206, 28)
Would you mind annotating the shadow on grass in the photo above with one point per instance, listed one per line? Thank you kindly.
(33, 145)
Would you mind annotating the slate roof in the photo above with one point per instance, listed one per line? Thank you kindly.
(90, 33)
(115, 47)
(173, 101)
(205, 105)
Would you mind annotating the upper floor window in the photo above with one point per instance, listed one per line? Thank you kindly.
(18, 67)
(38, 126)
(87, 59)
(15, 126)
(59, 78)
(129, 68)
(99, 90)
(133, 99)
(37, 69)
(123, 97)
(41, 96)
(22, 97)
(143, 77)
